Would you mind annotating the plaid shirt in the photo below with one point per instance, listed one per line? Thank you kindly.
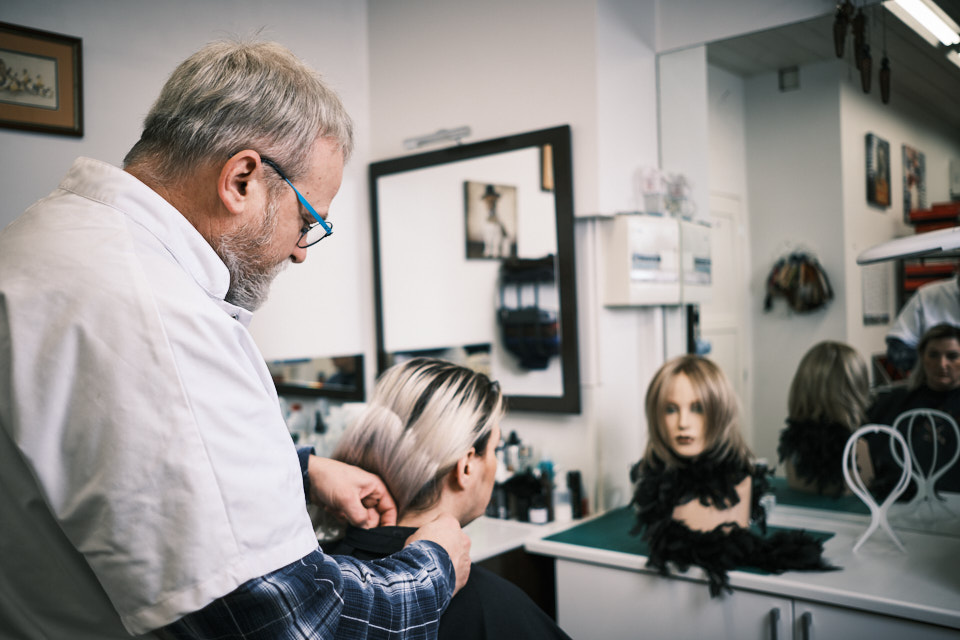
(321, 596)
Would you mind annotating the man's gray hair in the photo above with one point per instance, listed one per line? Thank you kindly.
(233, 95)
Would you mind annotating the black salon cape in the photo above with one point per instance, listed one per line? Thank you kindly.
(487, 608)
(659, 489)
(886, 407)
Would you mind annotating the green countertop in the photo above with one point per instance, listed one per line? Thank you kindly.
(793, 498)
(611, 532)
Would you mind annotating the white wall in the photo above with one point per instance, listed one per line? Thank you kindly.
(129, 48)
(682, 23)
(684, 122)
(795, 191)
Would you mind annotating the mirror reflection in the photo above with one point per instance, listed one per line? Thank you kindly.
(789, 165)
(474, 263)
(331, 377)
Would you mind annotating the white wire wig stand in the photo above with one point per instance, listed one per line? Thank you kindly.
(926, 477)
(878, 512)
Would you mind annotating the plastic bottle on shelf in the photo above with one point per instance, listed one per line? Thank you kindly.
(562, 504)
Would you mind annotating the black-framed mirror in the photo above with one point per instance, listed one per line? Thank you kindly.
(474, 262)
(337, 377)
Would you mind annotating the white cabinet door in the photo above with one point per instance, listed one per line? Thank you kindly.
(814, 621)
(601, 603)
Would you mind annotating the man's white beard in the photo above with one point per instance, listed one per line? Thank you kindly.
(241, 251)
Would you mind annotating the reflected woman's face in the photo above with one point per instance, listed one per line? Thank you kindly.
(941, 364)
(683, 418)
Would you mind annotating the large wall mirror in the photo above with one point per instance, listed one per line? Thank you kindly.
(474, 263)
(811, 129)
(337, 377)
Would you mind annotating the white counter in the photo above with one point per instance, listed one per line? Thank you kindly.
(491, 536)
(922, 585)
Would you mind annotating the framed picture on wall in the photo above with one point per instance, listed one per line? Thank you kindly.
(491, 220)
(878, 171)
(41, 87)
(914, 182)
(546, 167)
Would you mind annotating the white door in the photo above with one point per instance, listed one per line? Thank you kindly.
(724, 321)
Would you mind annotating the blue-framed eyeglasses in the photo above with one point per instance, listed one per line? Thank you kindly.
(310, 234)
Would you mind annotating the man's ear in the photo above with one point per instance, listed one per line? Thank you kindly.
(240, 181)
(466, 471)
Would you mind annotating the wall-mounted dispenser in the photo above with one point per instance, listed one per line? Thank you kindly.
(656, 260)
(642, 260)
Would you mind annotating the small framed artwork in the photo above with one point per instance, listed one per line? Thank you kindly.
(914, 182)
(491, 220)
(41, 87)
(546, 167)
(878, 171)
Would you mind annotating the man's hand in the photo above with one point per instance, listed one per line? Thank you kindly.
(446, 532)
(350, 493)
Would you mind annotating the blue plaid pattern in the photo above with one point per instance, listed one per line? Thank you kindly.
(321, 596)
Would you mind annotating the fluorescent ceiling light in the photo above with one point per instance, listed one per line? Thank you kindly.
(954, 57)
(927, 19)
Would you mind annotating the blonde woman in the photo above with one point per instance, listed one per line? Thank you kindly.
(698, 490)
(828, 401)
(430, 432)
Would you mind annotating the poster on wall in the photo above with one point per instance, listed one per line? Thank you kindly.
(914, 182)
(491, 220)
(878, 171)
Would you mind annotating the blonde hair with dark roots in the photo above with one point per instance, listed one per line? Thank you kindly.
(234, 95)
(831, 385)
(721, 413)
(424, 415)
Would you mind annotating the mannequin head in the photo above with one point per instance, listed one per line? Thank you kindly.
(430, 432)
(831, 385)
(692, 410)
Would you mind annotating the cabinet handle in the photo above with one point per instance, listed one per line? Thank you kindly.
(806, 626)
(774, 623)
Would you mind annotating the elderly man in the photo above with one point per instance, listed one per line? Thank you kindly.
(148, 484)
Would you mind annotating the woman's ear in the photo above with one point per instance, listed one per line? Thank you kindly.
(236, 184)
(466, 471)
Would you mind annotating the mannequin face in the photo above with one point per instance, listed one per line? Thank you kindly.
(683, 418)
(941, 364)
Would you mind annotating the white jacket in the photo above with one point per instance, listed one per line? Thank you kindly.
(145, 468)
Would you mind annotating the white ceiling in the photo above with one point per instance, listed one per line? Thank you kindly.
(920, 73)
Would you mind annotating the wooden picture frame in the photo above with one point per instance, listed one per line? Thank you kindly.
(914, 181)
(41, 86)
(490, 220)
(546, 167)
(878, 170)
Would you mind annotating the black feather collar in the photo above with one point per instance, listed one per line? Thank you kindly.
(660, 489)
